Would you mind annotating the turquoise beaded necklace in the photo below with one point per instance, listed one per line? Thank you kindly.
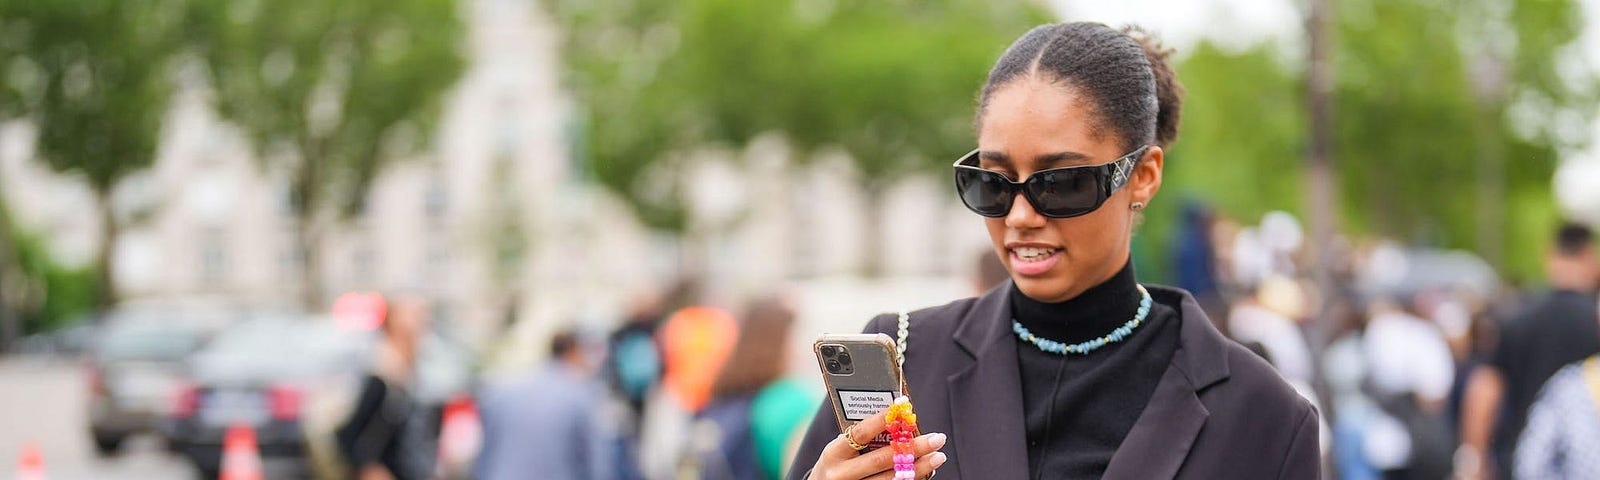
(1058, 348)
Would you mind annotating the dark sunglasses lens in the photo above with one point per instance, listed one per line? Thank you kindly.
(985, 193)
(1064, 193)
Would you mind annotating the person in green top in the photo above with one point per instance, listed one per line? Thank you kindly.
(755, 412)
(776, 418)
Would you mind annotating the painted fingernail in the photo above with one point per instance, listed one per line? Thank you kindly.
(938, 459)
(937, 441)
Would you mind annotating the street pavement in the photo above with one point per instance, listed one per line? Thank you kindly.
(44, 400)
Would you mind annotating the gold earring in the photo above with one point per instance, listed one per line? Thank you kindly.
(1137, 206)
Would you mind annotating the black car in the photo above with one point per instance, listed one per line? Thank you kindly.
(256, 374)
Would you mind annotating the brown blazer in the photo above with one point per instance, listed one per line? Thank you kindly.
(1219, 411)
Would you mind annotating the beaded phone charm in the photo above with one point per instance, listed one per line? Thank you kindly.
(902, 426)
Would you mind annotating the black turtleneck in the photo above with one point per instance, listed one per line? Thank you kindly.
(1078, 408)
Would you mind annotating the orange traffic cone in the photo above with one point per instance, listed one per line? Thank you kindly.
(240, 458)
(460, 437)
(31, 465)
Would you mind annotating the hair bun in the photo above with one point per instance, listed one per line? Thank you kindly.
(1169, 93)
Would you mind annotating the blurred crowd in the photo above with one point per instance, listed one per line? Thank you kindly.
(1424, 363)
(680, 391)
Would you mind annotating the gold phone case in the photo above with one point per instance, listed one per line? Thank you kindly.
(871, 382)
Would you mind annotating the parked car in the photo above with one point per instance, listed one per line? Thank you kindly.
(257, 373)
(133, 369)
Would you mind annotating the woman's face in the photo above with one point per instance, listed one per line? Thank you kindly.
(1034, 124)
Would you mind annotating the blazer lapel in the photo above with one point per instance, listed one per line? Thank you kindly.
(988, 434)
(1162, 437)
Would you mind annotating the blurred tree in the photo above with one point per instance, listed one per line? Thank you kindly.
(1243, 164)
(328, 93)
(10, 275)
(10, 105)
(1241, 146)
(1436, 99)
(94, 79)
(1447, 114)
(46, 294)
(628, 118)
(890, 83)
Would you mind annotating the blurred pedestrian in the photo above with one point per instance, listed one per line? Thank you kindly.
(385, 436)
(1195, 258)
(632, 369)
(1562, 437)
(549, 424)
(1271, 317)
(695, 343)
(1464, 321)
(1409, 374)
(755, 411)
(633, 366)
(1557, 330)
(1344, 367)
(1268, 323)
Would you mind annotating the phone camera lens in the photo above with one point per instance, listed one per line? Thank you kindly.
(829, 350)
(844, 358)
(834, 366)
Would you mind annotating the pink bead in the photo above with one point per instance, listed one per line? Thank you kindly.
(904, 475)
(904, 458)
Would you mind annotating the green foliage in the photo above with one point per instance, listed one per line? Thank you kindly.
(329, 93)
(11, 49)
(101, 80)
(628, 118)
(94, 78)
(52, 294)
(889, 82)
(1416, 109)
(1241, 147)
(338, 89)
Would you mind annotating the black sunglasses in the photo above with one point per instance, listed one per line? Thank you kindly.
(1057, 193)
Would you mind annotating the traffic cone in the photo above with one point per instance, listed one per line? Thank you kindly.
(240, 458)
(460, 437)
(31, 465)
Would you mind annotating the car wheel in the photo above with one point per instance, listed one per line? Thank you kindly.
(107, 445)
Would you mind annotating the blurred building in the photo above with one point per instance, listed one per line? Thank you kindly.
(499, 214)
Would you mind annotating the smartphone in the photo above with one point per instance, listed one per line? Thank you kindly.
(862, 374)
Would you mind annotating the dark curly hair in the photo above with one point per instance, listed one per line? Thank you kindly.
(1125, 74)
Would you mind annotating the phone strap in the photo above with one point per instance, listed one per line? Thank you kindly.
(900, 337)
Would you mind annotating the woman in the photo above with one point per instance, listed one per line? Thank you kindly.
(1072, 369)
(382, 439)
(754, 410)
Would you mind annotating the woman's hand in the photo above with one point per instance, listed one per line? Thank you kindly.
(840, 462)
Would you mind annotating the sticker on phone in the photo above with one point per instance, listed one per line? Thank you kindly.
(860, 404)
